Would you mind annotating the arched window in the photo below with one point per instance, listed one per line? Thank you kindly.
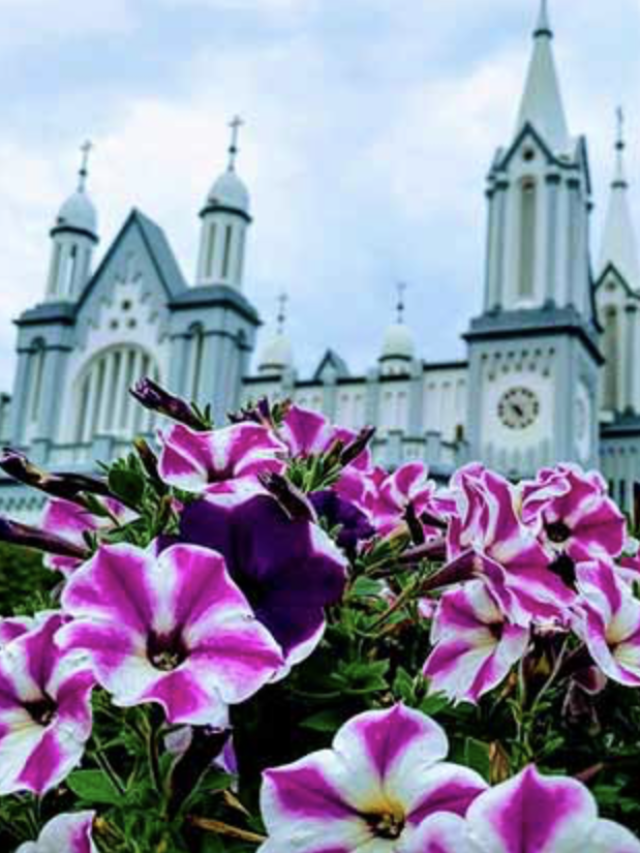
(528, 204)
(611, 354)
(196, 349)
(70, 272)
(226, 257)
(103, 402)
(210, 251)
(36, 370)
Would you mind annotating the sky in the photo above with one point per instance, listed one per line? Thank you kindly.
(370, 127)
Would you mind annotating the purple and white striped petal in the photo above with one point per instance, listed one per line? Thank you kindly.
(609, 621)
(172, 629)
(71, 522)
(195, 461)
(45, 710)
(408, 485)
(543, 814)
(66, 833)
(488, 527)
(442, 833)
(572, 513)
(382, 778)
(307, 433)
(475, 643)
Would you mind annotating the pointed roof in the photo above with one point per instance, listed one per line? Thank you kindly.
(541, 104)
(619, 243)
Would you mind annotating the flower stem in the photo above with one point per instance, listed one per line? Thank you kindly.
(226, 829)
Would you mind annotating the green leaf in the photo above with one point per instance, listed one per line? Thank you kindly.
(476, 756)
(324, 721)
(127, 485)
(93, 786)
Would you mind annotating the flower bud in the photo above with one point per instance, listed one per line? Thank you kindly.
(188, 769)
(67, 486)
(356, 447)
(294, 502)
(15, 533)
(153, 397)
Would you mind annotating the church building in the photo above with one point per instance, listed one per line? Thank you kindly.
(553, 362)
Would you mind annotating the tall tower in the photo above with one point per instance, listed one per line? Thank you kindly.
(534, 356)
(618, 295)
(74, 236)
(225, 220)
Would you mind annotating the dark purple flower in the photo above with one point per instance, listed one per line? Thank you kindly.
(288, 568)
(354, 524)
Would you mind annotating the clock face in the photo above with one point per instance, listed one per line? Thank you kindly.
(518, 408)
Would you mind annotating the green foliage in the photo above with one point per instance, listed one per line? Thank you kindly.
(25, 584)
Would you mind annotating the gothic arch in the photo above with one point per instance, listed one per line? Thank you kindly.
(102, 401)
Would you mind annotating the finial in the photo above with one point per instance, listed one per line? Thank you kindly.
(620, 143)
(85, 148)
(543, 25)
(620, 179)
(235, 124)
(400, 287)
(282, 312)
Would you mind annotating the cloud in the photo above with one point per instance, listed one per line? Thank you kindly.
(370, 128)
(30, 23)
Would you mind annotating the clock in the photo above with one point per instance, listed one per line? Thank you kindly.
(518, 408)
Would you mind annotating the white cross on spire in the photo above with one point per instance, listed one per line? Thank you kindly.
(235, 124)
(282, 312)
(86, 149)
(400, 287)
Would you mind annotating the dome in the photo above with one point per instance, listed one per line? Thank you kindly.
(229, 191)
(78, 212)
(277, 355)
(398, 343)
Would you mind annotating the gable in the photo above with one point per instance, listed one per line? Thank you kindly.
(127, 297)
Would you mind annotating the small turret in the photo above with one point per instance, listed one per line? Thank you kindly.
(225, 219)
(277, 356)
(74, 235)
(398, 346)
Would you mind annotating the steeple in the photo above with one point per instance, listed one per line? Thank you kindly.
(74, 235)
(278, 353)
(541, 104)
(398, 346)
(619, 244)
(225, 219)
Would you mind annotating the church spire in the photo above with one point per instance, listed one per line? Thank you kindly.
(541, 104)
(619, 244)
(83, 171)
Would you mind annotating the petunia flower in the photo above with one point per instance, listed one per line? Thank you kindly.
(193, 460)
(354, 526)
(73, 522)
(384, 775)
(572, 514)
(408, 486)
(307, 433)
(172, 629)
(475, 643)
(15, 626)
(288, 568)
(610, 621)
(527, 814)
(487, 538)
(66, 833)
(45, 709)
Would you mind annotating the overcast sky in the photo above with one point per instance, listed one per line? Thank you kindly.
(370, 128)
